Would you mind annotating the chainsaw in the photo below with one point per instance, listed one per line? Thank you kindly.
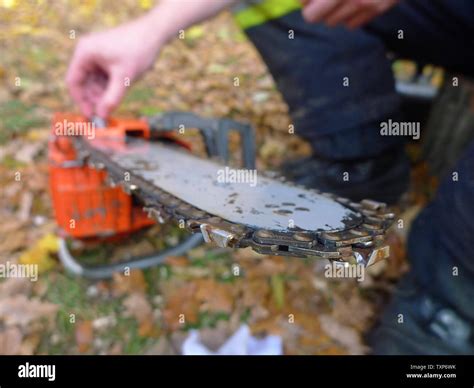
(112, 178)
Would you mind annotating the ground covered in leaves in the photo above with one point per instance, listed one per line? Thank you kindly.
(140, 313)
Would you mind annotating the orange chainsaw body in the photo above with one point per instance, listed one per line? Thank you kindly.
(84, 205)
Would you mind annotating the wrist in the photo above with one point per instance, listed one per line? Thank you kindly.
(160, 26)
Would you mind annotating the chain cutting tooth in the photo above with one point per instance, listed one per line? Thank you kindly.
(353, 236)
(372, 205)
(355, 205)
(331, 236)
(343, 200)
(156, 214)
(221, 238)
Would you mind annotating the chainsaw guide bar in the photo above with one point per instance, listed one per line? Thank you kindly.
(272, 216)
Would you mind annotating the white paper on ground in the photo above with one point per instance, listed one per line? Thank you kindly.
(240, 343)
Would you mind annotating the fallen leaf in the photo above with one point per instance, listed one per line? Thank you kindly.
(177, 261)
(84, 335)
(269, 266)
(254, 292)
(137, 306)
(14, 286)
(10, 225)
(14, 242)
(353, 310)
(10, 341)
(19, 310)
(26, 202)
(49, 243)
(181, 303)
(214, 296)
(30, 343)
(342, 334)
(41, 254)
(133, 283)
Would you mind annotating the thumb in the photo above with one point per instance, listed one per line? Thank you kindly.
(112, 95)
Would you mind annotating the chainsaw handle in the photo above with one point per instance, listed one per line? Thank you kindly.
(215, 133)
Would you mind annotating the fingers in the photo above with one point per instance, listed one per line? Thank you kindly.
(351, 13)
(316, 10)
(360, 18)
(95, 88)
(112, 95)
(340, 14)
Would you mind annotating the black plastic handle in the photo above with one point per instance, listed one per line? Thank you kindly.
(214, 131)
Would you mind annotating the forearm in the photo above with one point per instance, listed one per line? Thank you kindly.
(171, 16)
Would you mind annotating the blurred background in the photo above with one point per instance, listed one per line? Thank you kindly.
(138, 314)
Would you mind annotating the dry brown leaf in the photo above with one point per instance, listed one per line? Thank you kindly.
(14, 242)
(133, 283)
(30, 343)
(137, 306)
(19, 310)
(214, 296)
(254, 292)
(354, 311)
(397, 263)
(10, 341)
(26, 202)
(181, 302)
(342, 334)
(272, 150)
(14, 286)
(269, 266)
(177, 261)
(84, 335)
(10, 225)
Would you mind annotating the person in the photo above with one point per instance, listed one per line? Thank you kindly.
(329, 60)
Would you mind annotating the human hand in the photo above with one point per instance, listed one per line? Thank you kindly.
(105, 63)
(351, 13)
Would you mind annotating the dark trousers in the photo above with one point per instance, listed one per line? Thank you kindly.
(342, 120)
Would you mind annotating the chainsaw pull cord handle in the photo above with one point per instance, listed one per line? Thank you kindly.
(215, 133)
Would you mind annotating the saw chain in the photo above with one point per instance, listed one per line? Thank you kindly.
(361, 243)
